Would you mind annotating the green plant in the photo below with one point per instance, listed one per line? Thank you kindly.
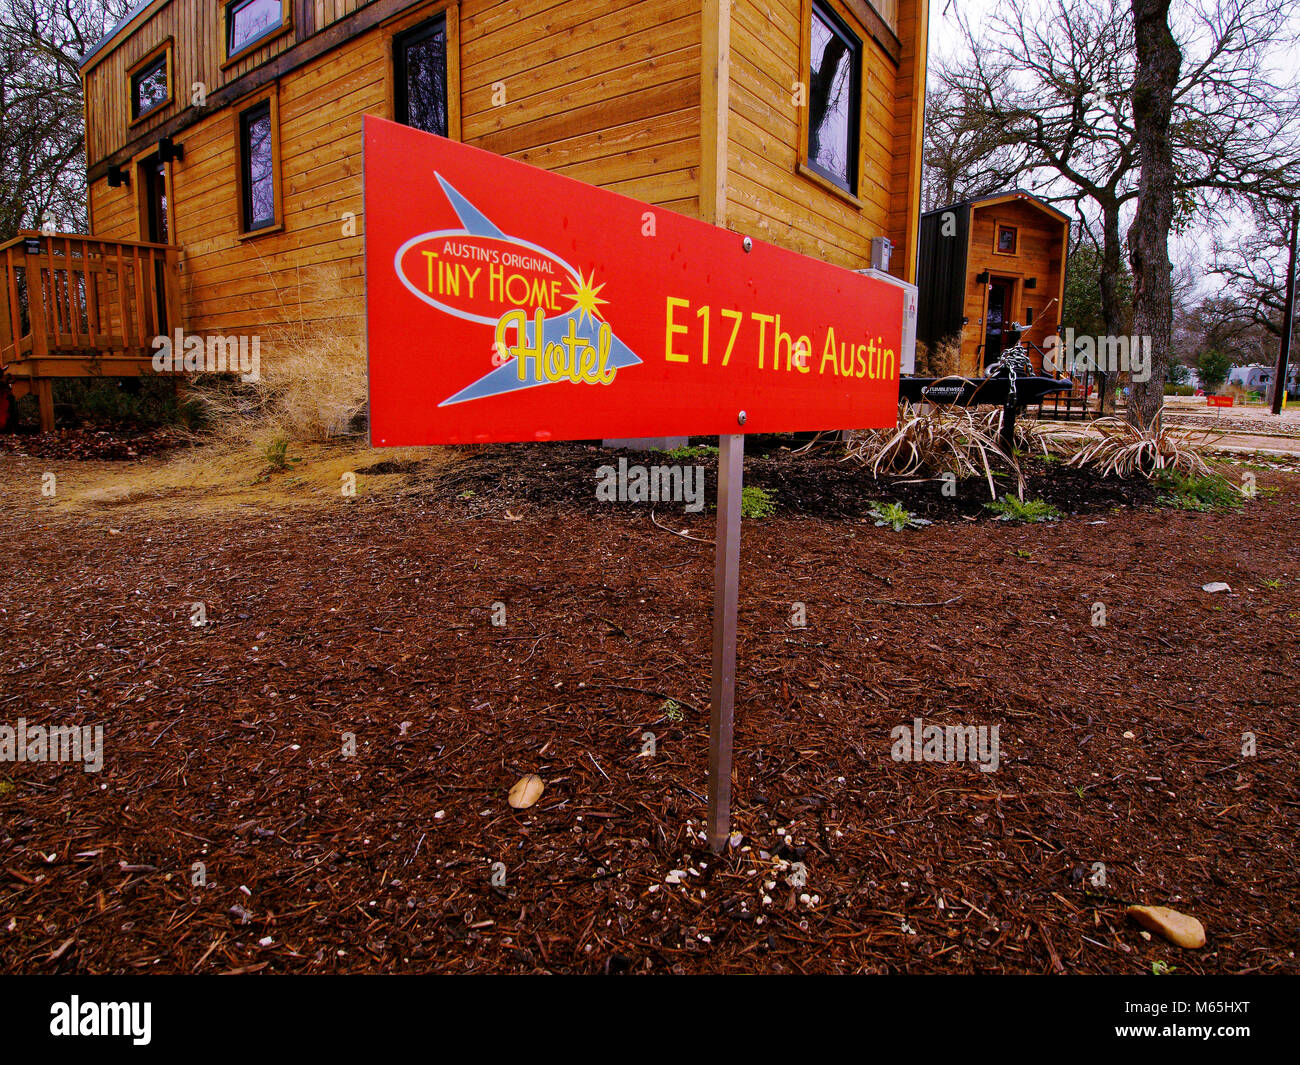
(277, 453)
(1271, 583)
(146, 402)
(1022, 553)
(897, 518)
(1205, 493)
(1162, 968)
(756, 502)
(1010, 509)
(672, 710)
(685, 454)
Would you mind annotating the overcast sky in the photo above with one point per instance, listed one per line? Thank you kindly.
(945, 40)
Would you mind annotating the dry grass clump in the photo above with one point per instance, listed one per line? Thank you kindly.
(940, 439)
(312, 382)
(1114, 447)
(940, 361)
(312, 387)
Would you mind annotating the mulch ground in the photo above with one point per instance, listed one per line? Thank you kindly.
(89, 443)
(1121, 776)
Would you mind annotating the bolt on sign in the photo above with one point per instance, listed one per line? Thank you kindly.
(507, 303)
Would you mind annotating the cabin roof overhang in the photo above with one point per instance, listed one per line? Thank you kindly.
(1010, 196)
(131, 20)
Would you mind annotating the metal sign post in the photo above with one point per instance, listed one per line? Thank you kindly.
(726, 588)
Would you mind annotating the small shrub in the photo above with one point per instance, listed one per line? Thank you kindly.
(756, 503)
(896, 517)
(1010, 509)
(1115, 447)
(277, 453)
(943, 438)
(1184, 492)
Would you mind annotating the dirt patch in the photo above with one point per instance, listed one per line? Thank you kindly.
(1121, 776)
(816, 485)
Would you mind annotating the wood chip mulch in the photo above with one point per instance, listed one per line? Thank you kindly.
(231, 831)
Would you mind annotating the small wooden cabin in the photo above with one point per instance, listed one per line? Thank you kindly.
(224, 143)
(986, 263)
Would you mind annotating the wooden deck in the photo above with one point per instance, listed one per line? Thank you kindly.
(77, 306)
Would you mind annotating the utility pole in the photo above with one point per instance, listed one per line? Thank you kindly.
(1288, 317)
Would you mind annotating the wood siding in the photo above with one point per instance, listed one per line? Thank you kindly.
(649, 98)
(768, 197)
(607, 93)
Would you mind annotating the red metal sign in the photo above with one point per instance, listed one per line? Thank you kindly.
(504, 302)
(1218, 401)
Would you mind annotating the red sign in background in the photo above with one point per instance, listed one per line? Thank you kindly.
(507, 303)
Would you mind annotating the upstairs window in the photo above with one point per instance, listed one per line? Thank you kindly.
(834, 99)
(150, 86)
(257, 167)
(420, 77)
(248, 21)
(1007, 240)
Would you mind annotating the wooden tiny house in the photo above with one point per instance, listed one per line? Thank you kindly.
(987, 263)
(230, 133)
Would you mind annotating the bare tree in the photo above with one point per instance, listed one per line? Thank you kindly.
(1254, 270)
(966, 155)
(1129, 123)
(42, 133)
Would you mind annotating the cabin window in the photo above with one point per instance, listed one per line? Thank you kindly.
(248, 21)
(420, 77)
(1006, 240)
(149, 87)
(257, 167)
(833, 99)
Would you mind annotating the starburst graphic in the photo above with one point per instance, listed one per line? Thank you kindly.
(510, 373)
(586, 298)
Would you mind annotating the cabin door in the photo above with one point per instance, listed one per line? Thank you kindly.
(998, 316)
(153, 224)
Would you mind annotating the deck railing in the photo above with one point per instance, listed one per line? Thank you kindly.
(77, 297)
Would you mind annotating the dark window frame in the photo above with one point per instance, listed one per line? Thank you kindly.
(247, 117)
(420, 32)
(837, 25)
(998, 229)
(161, 61)
(228, 19)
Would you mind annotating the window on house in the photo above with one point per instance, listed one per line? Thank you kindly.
(149, 87)
(250, 20)
(420, 77)
(1007, 240)
(833, 99)
(257, 165)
